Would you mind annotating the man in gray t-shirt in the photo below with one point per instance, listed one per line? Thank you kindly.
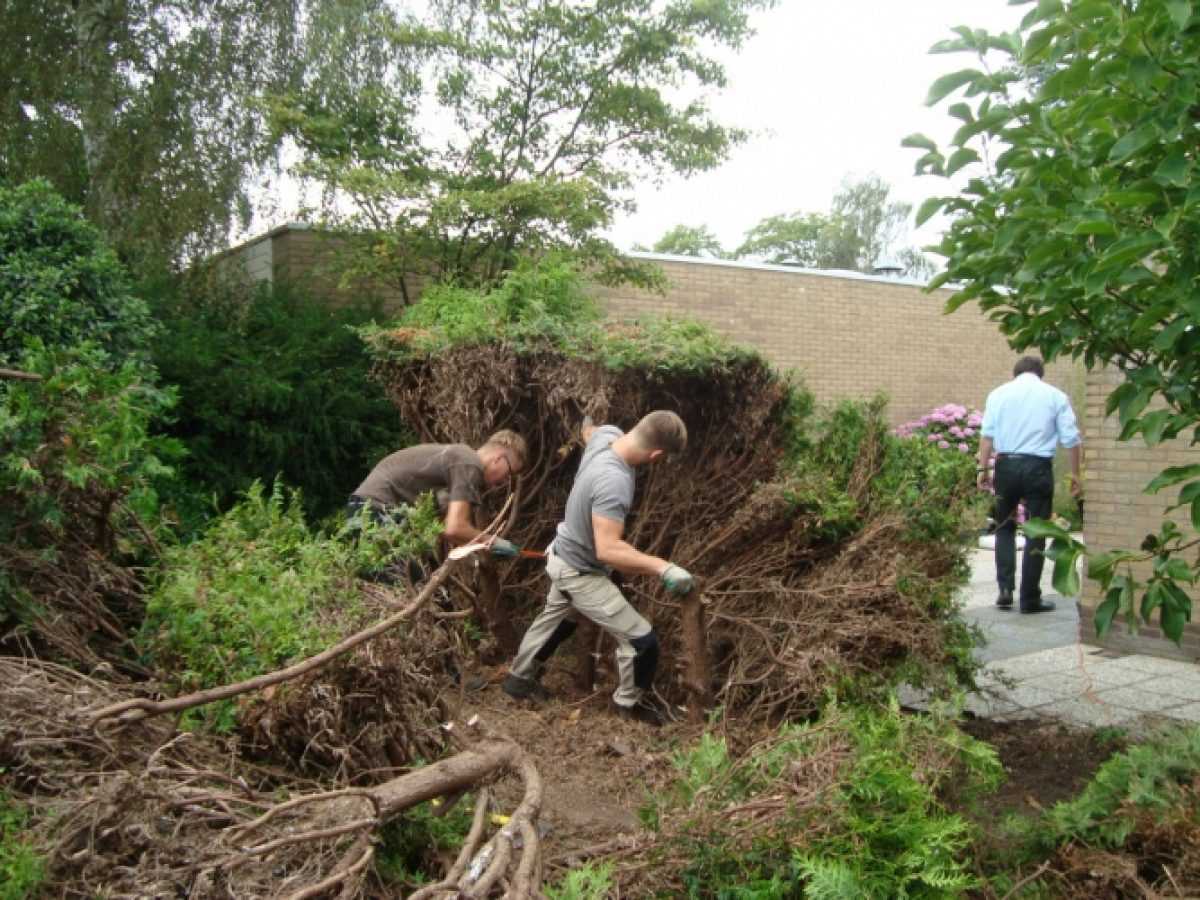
(587, 547)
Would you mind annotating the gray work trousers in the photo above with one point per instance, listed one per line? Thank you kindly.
(597, 598)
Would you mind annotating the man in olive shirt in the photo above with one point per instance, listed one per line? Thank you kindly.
(454, 473)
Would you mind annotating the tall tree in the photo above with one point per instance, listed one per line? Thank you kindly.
(548, 114)
(1077, 233)
(145, 112)
(689, 240)
(862, 227)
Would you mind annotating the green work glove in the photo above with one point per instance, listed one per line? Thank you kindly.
(677, 579)
(504, 549)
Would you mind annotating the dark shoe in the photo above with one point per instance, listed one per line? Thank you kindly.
(643, 712)
(1042, 606)
(524, 688)
(1004, 601)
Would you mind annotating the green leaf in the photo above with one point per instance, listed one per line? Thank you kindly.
(919, 142)
(1105, 612)
(1066, 575)
(1172, 475)
(1196, 513)
(947, 84)
(959, 158)
(1041, 528)
(1173, 169)
(928, 209)
(1094, 225)
(1134, 141)
(1180, 12)
(1154, 424)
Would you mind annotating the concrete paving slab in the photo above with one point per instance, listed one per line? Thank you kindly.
(1081, 711)
(1138, 698)
(1189, 712)
(1028, 696)
(1039, 662)
(1102, 675)
(1185, 687)
(1154, 665)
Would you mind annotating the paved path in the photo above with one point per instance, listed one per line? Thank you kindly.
(1050, 674)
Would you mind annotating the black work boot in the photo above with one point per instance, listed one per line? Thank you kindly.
(1005, 600)
(644, 711)
(520, 688)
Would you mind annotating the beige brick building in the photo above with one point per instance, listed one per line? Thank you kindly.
(852, 335)
(1120, 514)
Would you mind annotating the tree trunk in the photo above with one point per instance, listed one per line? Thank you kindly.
(698, 672)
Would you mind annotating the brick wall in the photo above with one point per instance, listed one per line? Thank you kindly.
(849, 335)
(1118, 513)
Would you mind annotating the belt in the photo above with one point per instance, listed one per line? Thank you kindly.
(1023, 456)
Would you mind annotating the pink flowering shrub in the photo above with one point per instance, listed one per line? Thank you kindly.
(955, 428)
(952, 427)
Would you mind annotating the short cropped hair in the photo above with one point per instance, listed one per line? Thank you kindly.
(662, 430)
(1029, 364)
(512, 442)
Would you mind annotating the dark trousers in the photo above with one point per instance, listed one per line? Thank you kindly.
(1028, 478)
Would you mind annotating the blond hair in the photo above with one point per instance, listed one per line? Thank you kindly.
(661, 430)
(512, 442)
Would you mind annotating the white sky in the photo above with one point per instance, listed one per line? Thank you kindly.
(828, 89)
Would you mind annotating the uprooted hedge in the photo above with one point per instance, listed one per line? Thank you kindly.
(827, 549)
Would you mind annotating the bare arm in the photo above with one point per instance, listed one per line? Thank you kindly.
(1076, 455)
(985, 455)
(613, 550)
(459, 527)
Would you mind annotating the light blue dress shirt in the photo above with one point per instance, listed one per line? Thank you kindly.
(1026, 415)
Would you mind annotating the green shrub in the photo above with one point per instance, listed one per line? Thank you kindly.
(1147, 780)
(272, 383)
(542, 303)
(261, 589)
(590, 882)
(59, 282)
(80, 476)
(869, 820)
(410, 846)
(22, 870)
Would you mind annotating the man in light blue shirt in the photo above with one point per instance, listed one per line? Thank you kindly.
(1024, 421)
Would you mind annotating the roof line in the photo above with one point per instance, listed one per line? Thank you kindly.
(773, 267)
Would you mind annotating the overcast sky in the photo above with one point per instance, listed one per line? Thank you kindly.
(829, 89)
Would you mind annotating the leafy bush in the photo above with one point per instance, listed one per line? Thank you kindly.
(542, 303)
(261, 589)
(589, 882)
(59, 282)
(80, 476)
(1151, 780)
(410, 847)
(852, 807)
(22, 870)
(272, 383)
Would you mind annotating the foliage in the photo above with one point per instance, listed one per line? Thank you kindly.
(1149, 779)
(272, 383)
(589, 882)
(548, 113)
(860, 229)
(867, 819)
(410, 846)
(540, 304)
(1079, 237)
(931, 490)
(689, 240)
(22, 870)
(261, 589)
(59, 283)
(951, 427)
(80, 475)
(144, 113)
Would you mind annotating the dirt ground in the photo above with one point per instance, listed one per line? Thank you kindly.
(599, 769)
(1046, 762)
